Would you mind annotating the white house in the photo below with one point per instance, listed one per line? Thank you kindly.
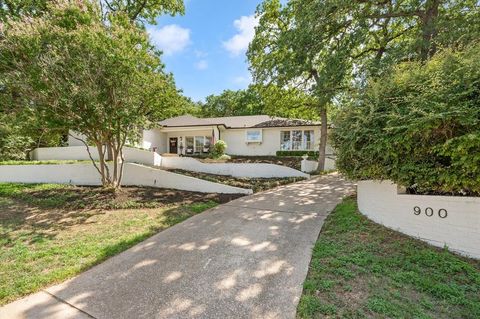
(245, 135)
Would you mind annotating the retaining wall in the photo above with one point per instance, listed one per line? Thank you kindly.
(311, 166)
(134, 175)
(133, 155)
(258, 170)
(451, 221)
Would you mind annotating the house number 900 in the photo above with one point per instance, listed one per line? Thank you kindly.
(442, 212)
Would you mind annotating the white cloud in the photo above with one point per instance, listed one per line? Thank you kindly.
(240, 41)
(201, 65)
(170, 38)
(200, 54)
(242, 80)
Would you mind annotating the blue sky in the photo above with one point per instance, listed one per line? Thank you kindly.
(205, 48)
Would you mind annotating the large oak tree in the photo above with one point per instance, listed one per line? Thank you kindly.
(330, 47)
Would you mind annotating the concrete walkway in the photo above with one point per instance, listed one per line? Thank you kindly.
(244, 259)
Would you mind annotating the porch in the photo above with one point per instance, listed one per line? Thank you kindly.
(181, 140)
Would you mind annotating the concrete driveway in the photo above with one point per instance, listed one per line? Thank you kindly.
(244, 259)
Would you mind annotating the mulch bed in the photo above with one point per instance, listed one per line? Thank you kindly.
(289, 161)
(256, 184)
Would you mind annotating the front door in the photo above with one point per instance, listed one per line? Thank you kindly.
(173, 145)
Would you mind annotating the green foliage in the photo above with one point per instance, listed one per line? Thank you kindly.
(218, 149)
(260, 99)
(102, 79)
(297, 153)
(418, 126)
(360, 269)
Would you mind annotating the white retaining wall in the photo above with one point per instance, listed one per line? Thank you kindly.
(451, 221)
(80, 153)
(311, 166)
(134, 175)
(258, 170)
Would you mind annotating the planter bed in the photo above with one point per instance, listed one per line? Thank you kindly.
(256, 184)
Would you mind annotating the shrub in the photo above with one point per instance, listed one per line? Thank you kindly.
(298, 153)
(418, 126)
(218, 149)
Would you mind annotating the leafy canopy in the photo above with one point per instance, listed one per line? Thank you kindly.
(418, 126)
(104, 80)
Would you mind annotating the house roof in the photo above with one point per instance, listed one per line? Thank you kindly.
(260, 121)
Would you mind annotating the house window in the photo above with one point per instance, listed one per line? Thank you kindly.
(308, 140)
(189, 147)
(253, 136)
(199, 142)
(296, 140)
(285, 140)
(208, 141)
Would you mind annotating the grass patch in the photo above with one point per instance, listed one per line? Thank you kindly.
(70, 197)
(360, 269)
(45, 240)
(49, 162)
(256, 184)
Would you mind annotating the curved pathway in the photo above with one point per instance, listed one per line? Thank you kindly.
(244, 259)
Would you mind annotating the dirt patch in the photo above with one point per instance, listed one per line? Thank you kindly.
(289, 161)
(256, 184)
(86, 198)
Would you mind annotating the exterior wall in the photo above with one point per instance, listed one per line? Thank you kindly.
(235, 139)
(154, 138)
(257, 170)
(134, 174)
(72, 141)
(420, 216)
(311, 166)
(80, 153)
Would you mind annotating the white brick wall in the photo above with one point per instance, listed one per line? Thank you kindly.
(134, 174)
(459, 230)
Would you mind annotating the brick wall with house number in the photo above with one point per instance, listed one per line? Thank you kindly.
(451, 221)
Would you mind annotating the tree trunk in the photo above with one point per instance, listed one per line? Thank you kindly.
(323, 140)
(101, 158)
(429, 29)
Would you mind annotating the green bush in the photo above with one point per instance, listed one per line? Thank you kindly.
(297, 153)
(218, 149)
(419, 126)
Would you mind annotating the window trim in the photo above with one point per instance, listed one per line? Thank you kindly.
(260, 140)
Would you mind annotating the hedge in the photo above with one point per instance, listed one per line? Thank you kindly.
(419, 126)
(297, 153)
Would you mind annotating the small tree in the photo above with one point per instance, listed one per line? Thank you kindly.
(219, 149)
(103, 80)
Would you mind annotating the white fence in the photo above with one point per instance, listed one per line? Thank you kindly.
(132, 155)
(451, 221)
(134, 174)
(258, 170)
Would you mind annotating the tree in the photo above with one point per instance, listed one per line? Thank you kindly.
(143, 10)
(17, 8)
(139, 11)
(105, 80)
(417, 125)
(259, 99)
(331, 47)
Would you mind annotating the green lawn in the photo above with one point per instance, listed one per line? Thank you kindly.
(49, 233)
(360, 269)
(49, 162)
